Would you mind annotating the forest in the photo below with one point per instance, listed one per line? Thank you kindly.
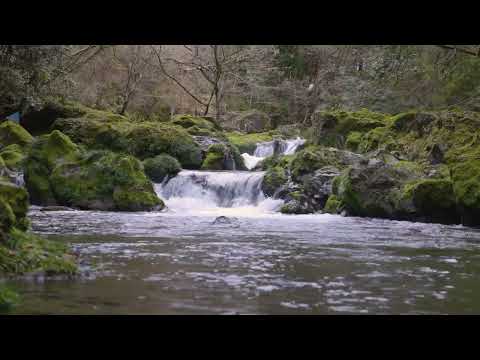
(313, 179)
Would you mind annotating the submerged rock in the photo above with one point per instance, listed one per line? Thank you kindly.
(56, 208)
(224, 220)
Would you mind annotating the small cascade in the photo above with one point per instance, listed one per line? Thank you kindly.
(266, 149)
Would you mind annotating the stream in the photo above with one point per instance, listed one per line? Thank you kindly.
(187, 260)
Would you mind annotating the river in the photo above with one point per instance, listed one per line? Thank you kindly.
(258, 261)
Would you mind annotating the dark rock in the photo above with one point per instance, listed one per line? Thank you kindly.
(56, 208)
(224, 220)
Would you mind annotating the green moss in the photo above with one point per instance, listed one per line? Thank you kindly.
(26, 253)
(8, 299)
(47, 152)
(332, 128)
(12, 133)
(189, 121)
(215, 157)
(160, 166)
(333, 205)
(16, 198)
(410, 166)
(433, 198)
(104, 181)
(7, 218)
(345, 193)
(374, 139)
(12, 156)
(247, 143)
(274, 178)
(353, 140)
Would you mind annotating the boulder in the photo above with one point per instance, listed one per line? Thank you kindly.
(160, 167)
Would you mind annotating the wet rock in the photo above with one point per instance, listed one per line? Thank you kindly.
(224, 220)
(56, 208)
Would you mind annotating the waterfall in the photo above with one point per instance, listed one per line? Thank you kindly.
(225, 192)
(265, 149)
(209, 190)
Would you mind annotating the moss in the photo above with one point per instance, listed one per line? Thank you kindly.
(247, 143)
(344, 191)
(12, 133)
(215, 157)
(104, 181)
(47, 152)
(332, 128)
(353, 140)
(274, 178)
(333, 205)
(26, 253)
(410, 166)
(14, 198)
(373, 139)
(433, 198)
(161, 166)
(8, 299)
(7, 218)
(189, 121)
(283, 161)
(12, 156)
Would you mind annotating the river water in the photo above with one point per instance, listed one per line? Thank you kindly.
(258, 261)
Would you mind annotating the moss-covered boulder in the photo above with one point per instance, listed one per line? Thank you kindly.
(274, 178)
(332, 128)
(196, 125)
(314, 157)
(39, 120)
(160, 167)
(223, 156)
(104, 181)
(12, 156)
(58, 172)
(247, 143)
(433, 200)
(12, 133)
(46, 153)
(466, 185)
(333, 205)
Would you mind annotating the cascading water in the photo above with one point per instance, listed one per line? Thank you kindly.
(225, 192)
(216, 192)
(265, 149)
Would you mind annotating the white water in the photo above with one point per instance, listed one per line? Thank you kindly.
(265, 149)
(228, 193)
(217, 193)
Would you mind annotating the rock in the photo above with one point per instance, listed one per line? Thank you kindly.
(251, 121)
(274, 179)
(57, 172)
(224, 220)
(295, 207)
(222, 156)
(318, 186)
(160, 167)
(56, 208)
(12, 133)
(333, 205)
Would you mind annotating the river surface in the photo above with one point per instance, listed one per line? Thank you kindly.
(186, 260)
(174, 263)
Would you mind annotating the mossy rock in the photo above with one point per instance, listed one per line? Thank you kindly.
(15, 202)
(247, 143)
(333, 205)
(189, 121)
(274, 178)
(40, 120)
(12, 156)
(160, 167)
(332, 128)
(149, 140)
(215, 157)
(353, 140)
(12, 133)
(434, 199)
(466, 185)
(25, 252)
(8, 299)
(312, 158)
(104, 181)
(47, 152)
